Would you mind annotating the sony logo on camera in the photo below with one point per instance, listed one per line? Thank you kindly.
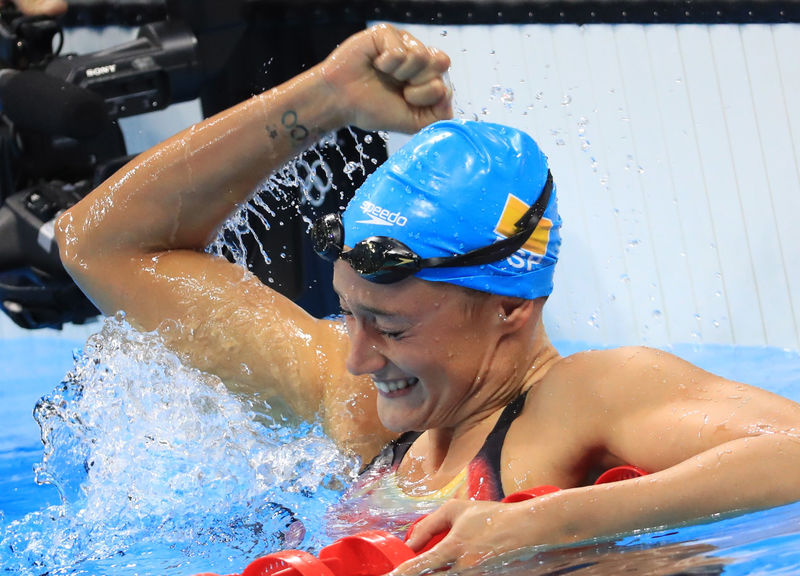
(101, 71)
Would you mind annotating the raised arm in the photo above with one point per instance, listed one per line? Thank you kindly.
(136, 243)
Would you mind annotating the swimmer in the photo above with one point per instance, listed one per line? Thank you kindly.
(443, 262)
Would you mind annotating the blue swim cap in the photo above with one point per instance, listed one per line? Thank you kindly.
(458, 185)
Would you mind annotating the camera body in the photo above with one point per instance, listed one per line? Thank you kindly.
(59, 139)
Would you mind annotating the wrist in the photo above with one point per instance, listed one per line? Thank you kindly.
(303, 109)
(565, 517)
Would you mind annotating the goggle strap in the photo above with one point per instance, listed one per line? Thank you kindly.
(502, 248)
(536, 211)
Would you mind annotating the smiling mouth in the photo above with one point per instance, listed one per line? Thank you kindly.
(392, 386)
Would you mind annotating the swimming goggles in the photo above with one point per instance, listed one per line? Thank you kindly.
(385, 260)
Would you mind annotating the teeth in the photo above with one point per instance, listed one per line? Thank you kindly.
(395, 385)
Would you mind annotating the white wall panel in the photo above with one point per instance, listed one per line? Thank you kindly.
(659, 211)
(675, 152)
(780, 188)
(682, 180)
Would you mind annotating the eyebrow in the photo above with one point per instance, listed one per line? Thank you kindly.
(371, 309)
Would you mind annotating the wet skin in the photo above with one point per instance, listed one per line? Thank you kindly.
(437, 341)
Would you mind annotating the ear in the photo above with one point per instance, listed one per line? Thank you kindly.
(517, 312)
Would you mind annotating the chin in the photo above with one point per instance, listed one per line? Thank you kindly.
(393, 420)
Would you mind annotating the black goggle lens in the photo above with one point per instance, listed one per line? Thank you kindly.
(327, 236)
(381, 259)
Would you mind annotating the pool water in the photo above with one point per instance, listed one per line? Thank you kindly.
(147, 467)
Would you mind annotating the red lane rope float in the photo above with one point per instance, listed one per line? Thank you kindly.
(375, 552)
(366, 554)
(620, 473)
(287, 563)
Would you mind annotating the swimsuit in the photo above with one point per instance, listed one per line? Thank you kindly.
(376, 501)
(482, 474)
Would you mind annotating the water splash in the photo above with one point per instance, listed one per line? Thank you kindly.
(159, 461)
(306, 179)
(505, 95)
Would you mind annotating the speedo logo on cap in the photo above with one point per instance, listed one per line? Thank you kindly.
(512, 212)
(381, 216)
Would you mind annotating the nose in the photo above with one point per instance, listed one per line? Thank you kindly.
(364, 357)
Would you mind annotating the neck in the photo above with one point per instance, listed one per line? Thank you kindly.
(519, 365)
(543, 356)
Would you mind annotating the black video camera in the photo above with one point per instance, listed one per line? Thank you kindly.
(59, 139)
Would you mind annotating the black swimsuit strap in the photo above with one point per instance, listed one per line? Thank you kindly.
(492, 448)
(401, 446)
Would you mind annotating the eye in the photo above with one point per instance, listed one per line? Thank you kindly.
(391, 334)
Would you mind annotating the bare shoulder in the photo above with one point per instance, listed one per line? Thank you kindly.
(630, 373)
(653, 409)
(599, 390)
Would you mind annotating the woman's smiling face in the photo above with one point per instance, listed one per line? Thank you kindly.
(427, 347)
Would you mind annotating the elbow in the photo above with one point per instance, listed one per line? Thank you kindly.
(72, 247)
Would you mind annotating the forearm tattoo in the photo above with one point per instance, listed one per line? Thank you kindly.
(297, 132)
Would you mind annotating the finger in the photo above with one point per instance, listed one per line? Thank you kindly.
(427, 95)
(431, 561)
(439, 521)
(406, 59)
(423, 116)
(389, 47)
(437, 65)
(401, 62)
(418, 59)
